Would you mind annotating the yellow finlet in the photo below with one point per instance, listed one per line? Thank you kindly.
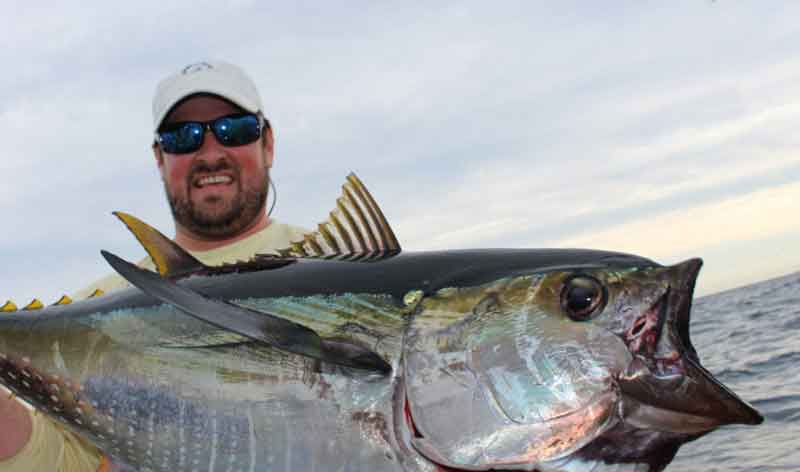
(64, 300)
(9, 306)
(35, 304)
(97, 292)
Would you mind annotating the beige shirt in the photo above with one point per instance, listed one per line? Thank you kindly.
(275, 236)
(54, 449)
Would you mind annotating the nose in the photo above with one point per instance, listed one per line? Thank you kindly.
(210, 149)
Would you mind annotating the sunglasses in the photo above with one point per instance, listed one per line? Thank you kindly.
(230, 130)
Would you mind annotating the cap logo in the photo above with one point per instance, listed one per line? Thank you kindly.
(196, 67)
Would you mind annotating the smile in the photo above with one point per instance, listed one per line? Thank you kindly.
(213, 180)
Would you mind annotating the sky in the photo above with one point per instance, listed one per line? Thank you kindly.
(664, 129)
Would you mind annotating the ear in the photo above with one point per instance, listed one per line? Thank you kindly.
(159, 159)
(269, 147)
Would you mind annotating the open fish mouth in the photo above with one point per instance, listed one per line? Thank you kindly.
(665, 387)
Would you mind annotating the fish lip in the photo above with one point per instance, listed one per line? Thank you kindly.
(737, 410)
(681, 298)
(677, 382)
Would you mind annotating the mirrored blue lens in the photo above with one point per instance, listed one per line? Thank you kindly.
(187, 137)
(236, 130)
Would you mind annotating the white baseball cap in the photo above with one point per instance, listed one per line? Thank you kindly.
(213, 77)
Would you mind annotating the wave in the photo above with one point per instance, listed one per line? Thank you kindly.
(784, 408)
(781, 361)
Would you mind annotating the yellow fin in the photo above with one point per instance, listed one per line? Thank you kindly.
(35, 304)
(9, 306)
(97, 292)
(355, 230)
(170, 259)
(64, 300)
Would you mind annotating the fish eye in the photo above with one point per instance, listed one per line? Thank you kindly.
(583, 297)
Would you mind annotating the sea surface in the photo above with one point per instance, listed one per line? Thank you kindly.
(749, 338)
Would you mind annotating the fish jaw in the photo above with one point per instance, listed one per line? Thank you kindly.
(666, 387)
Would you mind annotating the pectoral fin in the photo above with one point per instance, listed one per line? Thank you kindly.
(258, 326)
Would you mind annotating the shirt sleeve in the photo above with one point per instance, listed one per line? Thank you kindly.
(51, 448)
(110, 282)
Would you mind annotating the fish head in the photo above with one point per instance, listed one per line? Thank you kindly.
(561, 369)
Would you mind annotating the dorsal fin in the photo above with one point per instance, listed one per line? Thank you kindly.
(170, 259)
(64, 300)
(8, 306)
(355, 230)
(35, 304)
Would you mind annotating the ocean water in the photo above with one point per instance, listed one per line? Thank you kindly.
(749, 338)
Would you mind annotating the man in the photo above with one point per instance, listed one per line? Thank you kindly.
(218, 191)
(214, 149)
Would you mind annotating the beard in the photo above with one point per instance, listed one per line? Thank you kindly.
(227, 220)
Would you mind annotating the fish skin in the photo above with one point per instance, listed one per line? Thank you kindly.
(159, 390)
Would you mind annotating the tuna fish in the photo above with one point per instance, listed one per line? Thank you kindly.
(344, 354)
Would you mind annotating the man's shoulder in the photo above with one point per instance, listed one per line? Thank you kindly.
(110, 282)
(269, 240)
(279, 235)
(104, 284)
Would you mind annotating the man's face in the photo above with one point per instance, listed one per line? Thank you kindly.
(215, 192)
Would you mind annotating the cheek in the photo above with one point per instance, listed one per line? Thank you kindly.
(251, 166)
(174, 173)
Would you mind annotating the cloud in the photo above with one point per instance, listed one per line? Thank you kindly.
(475, 125)
(735, 227)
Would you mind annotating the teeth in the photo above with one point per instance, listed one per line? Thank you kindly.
(214, 179)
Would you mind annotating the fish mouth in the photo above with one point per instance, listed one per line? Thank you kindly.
(665, 387)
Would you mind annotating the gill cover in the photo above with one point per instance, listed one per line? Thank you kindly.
(495, 380)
